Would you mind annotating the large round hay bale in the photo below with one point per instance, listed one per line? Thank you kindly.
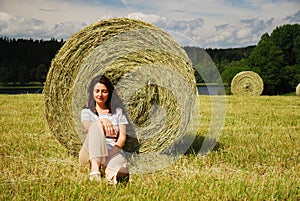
(247, 83)
(151, 72)
(298, 90)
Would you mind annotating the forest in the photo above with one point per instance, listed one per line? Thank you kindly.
(276, 58)
(25, 61)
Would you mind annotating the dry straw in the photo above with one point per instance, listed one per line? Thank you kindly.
(298, 90)
(247, 83)
(152, 74)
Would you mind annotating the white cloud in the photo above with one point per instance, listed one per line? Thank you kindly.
(246, 32)
(185, 26)
(293, 18)
(151, 18)
(65, 30)
(243, 33)
(20, 27)
(183, 30)
(208, 23)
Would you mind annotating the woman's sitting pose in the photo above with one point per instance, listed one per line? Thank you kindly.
(105, 124)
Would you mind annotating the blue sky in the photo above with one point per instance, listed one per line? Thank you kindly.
(204, 23)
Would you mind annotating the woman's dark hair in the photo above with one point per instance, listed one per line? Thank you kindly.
(112, 105)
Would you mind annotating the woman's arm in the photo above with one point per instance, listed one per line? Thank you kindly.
(120, 142)
(86, 125)
(122, 136)
(108, 127)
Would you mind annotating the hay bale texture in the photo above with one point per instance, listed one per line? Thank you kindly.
(152, 74)
(298, 90)
(247, 83)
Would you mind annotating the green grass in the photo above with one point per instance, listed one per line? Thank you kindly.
(258, 157)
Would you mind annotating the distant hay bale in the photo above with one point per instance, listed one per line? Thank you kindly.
(298, 90)
(152, 74)
(247, 83)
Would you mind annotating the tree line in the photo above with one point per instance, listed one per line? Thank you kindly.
(24, 61)
(276, 58)
(220, 57)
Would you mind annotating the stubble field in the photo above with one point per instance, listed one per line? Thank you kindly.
(257, 157)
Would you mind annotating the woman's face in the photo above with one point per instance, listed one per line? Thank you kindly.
(100, 93)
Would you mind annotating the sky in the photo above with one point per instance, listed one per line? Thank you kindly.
(203, 23)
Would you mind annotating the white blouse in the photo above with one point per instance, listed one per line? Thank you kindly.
(116, 119)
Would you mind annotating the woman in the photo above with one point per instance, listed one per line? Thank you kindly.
(105, 124)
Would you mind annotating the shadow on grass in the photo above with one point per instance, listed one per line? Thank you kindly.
(198, 146)
(191, 145)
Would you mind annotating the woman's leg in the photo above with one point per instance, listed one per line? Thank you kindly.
(116, 169)
(94, 148)
(84, 156)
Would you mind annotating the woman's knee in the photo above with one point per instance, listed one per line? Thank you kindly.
(95, 124)
(96, 128)
(84, 156)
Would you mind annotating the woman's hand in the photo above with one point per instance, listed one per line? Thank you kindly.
(108, 127)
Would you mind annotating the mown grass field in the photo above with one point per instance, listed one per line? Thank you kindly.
(257, 158)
